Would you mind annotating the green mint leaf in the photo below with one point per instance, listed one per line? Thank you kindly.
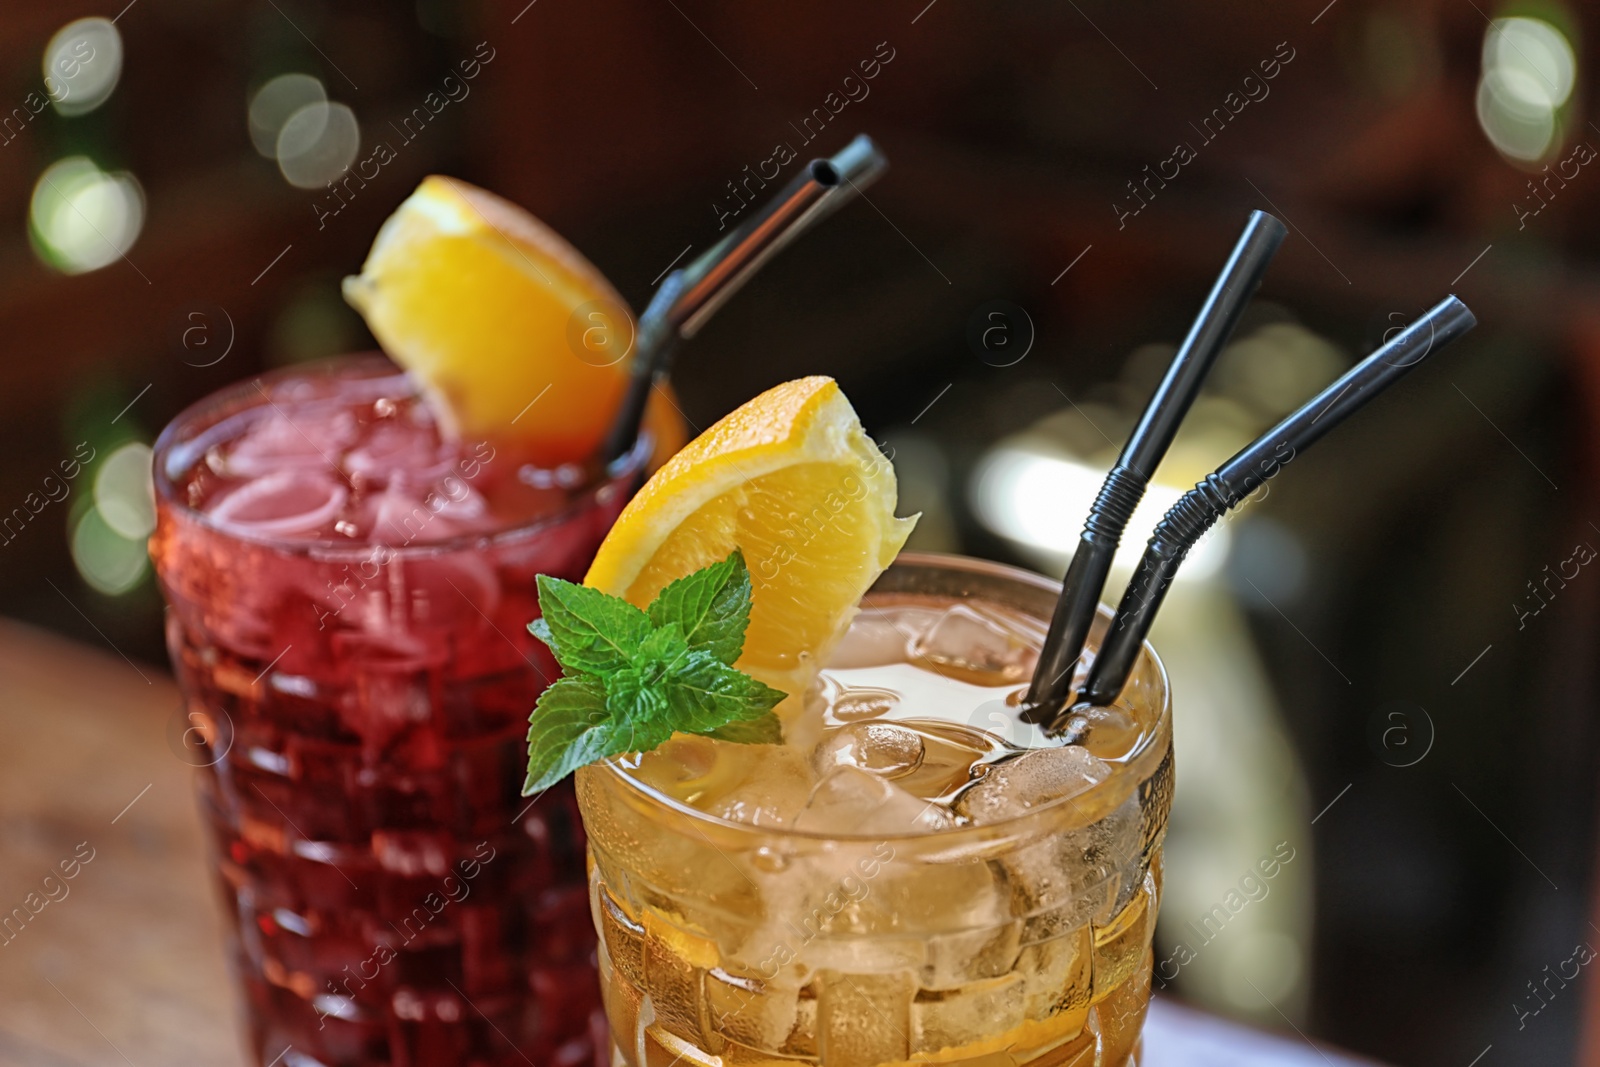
(662, 652)
(570, 727)
(712, 606)
(632, 695)
(590, 632)
(632, 679)
(766, 729)
(705, 695)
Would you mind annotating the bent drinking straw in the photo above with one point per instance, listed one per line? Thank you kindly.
(692, 294)
(1198, 509)
(1125, 484)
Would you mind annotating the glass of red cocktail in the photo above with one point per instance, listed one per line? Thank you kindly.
(349, 591)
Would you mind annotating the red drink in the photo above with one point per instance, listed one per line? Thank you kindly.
(349, 599)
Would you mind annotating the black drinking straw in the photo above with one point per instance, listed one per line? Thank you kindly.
(1125, 484)
(1198, 509)
(692, 294)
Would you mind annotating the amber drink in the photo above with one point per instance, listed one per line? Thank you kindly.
(915, 875)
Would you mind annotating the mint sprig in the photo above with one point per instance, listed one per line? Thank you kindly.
(631, 678)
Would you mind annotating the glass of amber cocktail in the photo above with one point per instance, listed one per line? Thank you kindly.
(349, 595)
(915, 875)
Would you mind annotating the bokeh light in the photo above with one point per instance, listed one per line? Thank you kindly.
(1038, 501)
(124, 492)
(1529, 73)
(317, 144)
(83, 218)
(274, 102)
(111, 563)
(1534, 59)
(82, 63)
(1261, 964)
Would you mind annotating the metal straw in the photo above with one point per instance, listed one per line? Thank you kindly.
(1125, 485)
(1199, 509)
(692, 294)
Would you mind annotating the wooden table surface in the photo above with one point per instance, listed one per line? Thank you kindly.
(121, 964)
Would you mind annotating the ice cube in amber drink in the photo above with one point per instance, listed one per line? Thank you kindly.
(915, 876)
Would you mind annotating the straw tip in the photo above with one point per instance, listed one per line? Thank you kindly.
(1265, 220)
(858, 162)
(862, 143)
(1450, 316)
(1454, 303)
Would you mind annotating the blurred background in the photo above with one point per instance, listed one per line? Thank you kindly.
(1384, 665)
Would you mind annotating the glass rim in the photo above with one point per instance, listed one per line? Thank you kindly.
(937, 839)
(211, 409)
